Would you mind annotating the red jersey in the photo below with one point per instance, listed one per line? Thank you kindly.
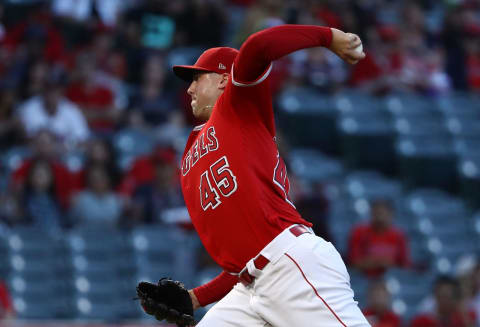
(385, 319)
(234, 182)
(457, 319)
(97, 97)
(390, 244)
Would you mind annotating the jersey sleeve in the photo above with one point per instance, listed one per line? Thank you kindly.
(253, 63)
(249, 90)
(216, 289)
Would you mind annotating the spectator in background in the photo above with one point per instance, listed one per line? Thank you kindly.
(160, 200)
(10, 211)
(52, 112)
(262, 14)
(110, 64)
(203, 23)
(469, 280)
(2, 27)
(320, 68)
(39, 198)
(377, 73)
(152, 103)
(45, 149)
(6, 305)
(35, 37)
(378, 311)
(314, 207)
(94, 99)
(97, 204)
(422, 67)
(143, 170)
(453, 41)
(472, 49)
(35, 79)
(449, 310)
(83, 10)
(378, 245)
(10, 126)
(99, 153)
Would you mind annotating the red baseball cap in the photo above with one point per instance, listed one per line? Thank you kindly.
(214, 60)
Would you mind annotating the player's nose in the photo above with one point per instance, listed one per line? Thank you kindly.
(191, 88)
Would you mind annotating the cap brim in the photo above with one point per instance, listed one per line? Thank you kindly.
(186, 72)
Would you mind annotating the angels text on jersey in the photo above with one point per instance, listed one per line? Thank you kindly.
(219, 181)
(205, 143)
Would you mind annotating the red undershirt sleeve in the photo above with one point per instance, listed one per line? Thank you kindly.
(263, 47)
(216, 289)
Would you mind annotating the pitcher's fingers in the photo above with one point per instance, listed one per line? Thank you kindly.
(355, 43)
(352, 59)
(354, 55)
(352, 37)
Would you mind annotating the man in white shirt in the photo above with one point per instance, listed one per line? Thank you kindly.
(51, 111)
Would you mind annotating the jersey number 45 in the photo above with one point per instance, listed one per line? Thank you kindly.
(223, 178)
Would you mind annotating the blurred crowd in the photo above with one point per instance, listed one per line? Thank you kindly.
(79, 77)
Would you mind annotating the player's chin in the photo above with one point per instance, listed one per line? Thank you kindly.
(200, 115)
(195, 110)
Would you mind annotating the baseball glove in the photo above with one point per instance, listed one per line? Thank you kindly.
(168, 300)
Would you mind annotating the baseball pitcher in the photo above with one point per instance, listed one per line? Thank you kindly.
(277, 272)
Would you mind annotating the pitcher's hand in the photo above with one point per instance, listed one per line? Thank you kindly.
(344, 45)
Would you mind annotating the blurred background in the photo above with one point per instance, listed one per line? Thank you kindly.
(384, 156)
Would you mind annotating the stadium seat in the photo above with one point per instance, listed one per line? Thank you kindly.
(411, 105)
(367, 141)
(423, 159)
(131, 143)
(96, 237)
(456, 246)
(29, 237)
(314, 166)
(372, 185)
(4, 253)
(464, 127)
(408, 284)
(433, 202)
(34, 309)
(359, 285)
(421, 255)
(467, 146)
(469, 172)
(105, 310)
(39, 297)
(458, 105)
(345, 209)
(353, 101)
(308, 119)
(153, 246)
(421, 126)
(408, 223)
(340, 231)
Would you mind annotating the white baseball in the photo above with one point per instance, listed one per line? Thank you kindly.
(359, 48)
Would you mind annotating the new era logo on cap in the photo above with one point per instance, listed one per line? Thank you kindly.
(221, 66)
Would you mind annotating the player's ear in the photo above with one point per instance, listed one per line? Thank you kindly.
(223, 81)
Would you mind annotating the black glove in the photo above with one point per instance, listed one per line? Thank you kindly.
(168, 300)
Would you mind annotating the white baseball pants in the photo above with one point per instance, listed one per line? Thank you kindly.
(305, 283)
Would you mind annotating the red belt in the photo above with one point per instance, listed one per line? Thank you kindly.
(260, 262)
